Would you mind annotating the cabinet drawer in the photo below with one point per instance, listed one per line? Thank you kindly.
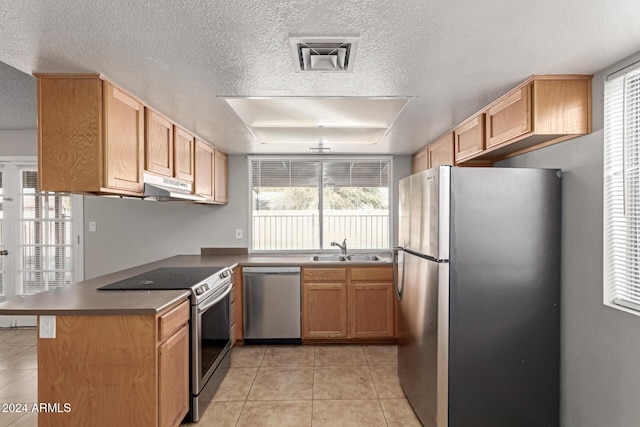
(371, 274)
(173, 320)
(324, 274)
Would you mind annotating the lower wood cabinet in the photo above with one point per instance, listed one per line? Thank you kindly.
(371, 309)
(348, 303)
(117, 370)
(324, 308)
(173, 378)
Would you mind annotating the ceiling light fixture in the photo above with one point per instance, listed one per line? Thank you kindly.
(305, 120)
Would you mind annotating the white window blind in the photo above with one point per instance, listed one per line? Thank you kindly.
(305, 203)
(622, 192)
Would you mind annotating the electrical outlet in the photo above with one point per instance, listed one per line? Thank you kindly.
(92, 226)
(238, 233)
(47, 326)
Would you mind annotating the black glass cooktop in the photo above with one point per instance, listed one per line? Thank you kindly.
(165, 278)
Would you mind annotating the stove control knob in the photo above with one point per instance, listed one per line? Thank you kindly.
(199, 291)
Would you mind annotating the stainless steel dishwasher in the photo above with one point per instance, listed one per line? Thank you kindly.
(271, 305)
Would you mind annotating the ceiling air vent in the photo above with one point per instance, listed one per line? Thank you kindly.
(324, 54)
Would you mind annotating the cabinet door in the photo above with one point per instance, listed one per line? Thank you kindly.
(469, 137)
(371, 310)
(158, 143)
(510, 117)
(123, 146)
(324, 308)
(204, 169)
(70, 137)
(440, 152)
(173, 379)
(419, 161)
(183, 154)
(220, 177)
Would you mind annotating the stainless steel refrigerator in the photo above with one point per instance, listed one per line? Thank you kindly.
(479, 296)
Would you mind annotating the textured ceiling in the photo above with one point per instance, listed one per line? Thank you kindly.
(180, 56)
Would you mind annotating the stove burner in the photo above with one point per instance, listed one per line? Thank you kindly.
(201, 281)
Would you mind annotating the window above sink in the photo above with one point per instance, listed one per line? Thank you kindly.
(303, 203)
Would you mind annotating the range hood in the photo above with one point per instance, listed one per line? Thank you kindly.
(165, 189)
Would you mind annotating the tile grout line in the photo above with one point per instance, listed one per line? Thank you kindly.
(250, 387)
(313, 385)
(377, 395)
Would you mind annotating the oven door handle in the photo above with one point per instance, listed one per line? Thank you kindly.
(206, 306)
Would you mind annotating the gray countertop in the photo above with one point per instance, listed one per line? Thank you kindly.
(83, 298)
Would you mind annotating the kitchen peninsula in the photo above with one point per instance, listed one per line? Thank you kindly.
(130, 349)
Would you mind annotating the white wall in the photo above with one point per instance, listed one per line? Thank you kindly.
(600, 346)
(18, 143)
(132, 232)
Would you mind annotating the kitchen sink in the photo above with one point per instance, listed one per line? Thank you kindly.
(341, 258)
(328, 258)
(363, 257)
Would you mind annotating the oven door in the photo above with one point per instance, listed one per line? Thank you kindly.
(211, 335)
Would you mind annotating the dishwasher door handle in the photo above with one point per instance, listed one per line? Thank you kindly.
(270, 270)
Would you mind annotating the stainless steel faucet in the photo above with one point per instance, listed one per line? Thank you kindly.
(343, 246)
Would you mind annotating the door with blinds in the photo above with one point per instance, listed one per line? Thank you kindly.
(39, 240)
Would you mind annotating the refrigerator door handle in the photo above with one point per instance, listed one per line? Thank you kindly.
(397, 289)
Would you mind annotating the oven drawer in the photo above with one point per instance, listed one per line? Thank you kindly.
(174, 319)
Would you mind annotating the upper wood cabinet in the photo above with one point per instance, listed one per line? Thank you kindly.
(210, 173)
(220, 177)
(441, 152)
(469, 138)
(204, 170)
(169, 149)
(93, 137)
(541, 111)
(510, 117)
(158, 143)
(183, 154)
(420, 161)
(90, 136)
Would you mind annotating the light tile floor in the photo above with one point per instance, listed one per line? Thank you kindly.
(322, 385)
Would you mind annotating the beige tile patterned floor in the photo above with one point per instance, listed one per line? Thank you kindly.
(322, 385)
